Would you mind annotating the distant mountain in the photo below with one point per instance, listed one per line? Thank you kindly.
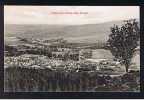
(73, 33)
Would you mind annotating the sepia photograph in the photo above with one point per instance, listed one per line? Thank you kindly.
(71, 49)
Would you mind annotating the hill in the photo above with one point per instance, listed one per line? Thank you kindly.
(73, 33)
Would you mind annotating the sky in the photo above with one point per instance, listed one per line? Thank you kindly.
(68, 15)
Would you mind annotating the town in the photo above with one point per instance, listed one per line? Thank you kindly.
(65, 67)
(59, 54)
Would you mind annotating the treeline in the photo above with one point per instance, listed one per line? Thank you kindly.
(15, 51)
(19, 79)
(46, 50)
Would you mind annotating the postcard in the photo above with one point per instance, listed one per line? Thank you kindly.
(71, 48)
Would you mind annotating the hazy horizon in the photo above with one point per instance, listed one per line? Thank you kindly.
(69, 24)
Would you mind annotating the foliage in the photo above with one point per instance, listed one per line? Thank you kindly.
(18, 79)
(123, 40)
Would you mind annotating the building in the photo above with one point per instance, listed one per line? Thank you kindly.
(66, 54)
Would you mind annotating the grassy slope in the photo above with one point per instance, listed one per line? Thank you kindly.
(75, 33)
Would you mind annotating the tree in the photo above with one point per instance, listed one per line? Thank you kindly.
(123, 40)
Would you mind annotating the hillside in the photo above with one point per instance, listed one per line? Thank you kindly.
(73, 33)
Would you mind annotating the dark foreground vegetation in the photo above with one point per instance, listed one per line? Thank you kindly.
(18, 79)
